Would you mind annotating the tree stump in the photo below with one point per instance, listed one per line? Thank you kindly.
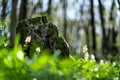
(43, 34)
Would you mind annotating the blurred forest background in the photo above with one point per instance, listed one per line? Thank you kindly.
(95, 23)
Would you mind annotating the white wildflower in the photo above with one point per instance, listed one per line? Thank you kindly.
(34, 79)
(20, 55)
(102, 62)
(86, 56)
(116, 78)
(114, 63)
(5, 44)
(96, 69)
(60, 72)
(97, 76)
(28, 39)
(9, 58)
(85, 51)
(38, 49)
(92, 57)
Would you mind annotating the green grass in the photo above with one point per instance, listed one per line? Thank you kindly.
(15, 66)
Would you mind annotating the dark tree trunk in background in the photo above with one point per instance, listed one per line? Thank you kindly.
(93, 26)
(119, 4)
(3, 13)
(13, 22)
(65, 19)
(49, 7)
(4, 6)
(87, 35)
(101, 10)
(114, 41)
(39, 5)
(114, 49)
(23, 10)
(86, 26)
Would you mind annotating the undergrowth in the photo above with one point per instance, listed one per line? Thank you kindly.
(14, 65)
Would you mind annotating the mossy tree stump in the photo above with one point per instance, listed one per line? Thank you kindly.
(43, 34)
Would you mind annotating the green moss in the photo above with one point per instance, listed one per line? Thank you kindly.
(44, 35)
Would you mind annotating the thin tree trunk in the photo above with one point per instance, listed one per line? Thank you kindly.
(86, 27)
(37, 5)
(65, 21)
(23, 10)
(3, 14)
(87, 35)
(114, 33)
(13, 22)
(119, 3)
(49, 7)
(93, 26)
(101, 10)
(114, 41)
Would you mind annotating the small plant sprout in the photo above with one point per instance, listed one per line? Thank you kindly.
(38, 50)
(28, 39)
(85, 51)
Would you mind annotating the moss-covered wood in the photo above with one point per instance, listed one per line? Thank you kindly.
(43, 34)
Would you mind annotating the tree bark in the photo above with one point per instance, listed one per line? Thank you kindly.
(93, 26)
(4, 6)
(13, 22)
(114, 32)
(38, 5)
(119, 4)
(87, 35)
(65, 21)
(101, 10)
(86, 26)
(3, 14)
(23, 10)
(49, 7)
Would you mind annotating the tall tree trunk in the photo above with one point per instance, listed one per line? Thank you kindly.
(3, 13)
(87, 35)
(65, 21)
(49, 7)
(86, 26)
(39, 5)
(114, 41)
(4, 6)
(101, 10)
(13, 22)
(93, 26)
(114, 32)
(119, 4)
(23, 10)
